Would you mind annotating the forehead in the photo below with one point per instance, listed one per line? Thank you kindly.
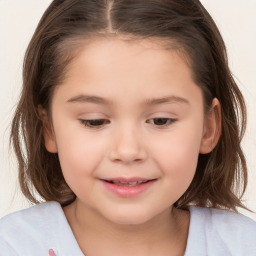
(123, 54)
(116, 67)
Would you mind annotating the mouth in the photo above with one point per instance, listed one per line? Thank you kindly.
(128, 187)
(128, 182)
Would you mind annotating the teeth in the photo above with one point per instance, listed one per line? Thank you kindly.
(131, 184)
(134, 183)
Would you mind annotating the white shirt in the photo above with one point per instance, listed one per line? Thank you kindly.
(36, 230)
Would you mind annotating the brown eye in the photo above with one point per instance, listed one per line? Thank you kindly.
(94, 123)
(161, 121)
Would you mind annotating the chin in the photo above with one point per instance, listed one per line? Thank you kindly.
(129, 218)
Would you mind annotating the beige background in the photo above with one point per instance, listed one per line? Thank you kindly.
(236, 20)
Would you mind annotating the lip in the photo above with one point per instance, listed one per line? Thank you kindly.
(127, 179)
(127, 191)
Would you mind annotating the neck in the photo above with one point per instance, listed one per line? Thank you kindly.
(159, 236)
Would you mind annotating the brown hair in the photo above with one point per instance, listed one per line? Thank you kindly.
(221, 176)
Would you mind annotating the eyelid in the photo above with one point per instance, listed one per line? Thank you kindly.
(85, 122)
(171, 122)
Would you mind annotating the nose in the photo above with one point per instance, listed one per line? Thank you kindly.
(127, 146)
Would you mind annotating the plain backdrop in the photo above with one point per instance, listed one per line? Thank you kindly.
(236, 20)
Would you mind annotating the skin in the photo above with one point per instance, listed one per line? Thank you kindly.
(51, 252)
(130, 143)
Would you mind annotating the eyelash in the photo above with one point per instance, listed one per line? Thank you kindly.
(86, 122)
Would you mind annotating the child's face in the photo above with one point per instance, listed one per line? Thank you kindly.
(154, 128)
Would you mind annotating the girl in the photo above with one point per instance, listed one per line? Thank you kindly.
(129, 128)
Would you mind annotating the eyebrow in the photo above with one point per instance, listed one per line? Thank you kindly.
(89, 99)
(168, 99)
(148, 102)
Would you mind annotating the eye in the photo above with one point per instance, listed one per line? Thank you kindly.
(162, 122)
(94, 123)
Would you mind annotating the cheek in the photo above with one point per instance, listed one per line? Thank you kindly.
(177, 154)
(79, 158)
(79, 154)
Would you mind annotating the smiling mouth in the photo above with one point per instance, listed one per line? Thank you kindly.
(128, 187)
(127, 183)
(132, 182)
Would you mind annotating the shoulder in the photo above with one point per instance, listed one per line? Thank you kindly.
(224, 220)
(223, 231)
(28, 217)
(22, 228)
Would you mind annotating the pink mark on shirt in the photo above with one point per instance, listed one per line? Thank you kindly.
(51, 252)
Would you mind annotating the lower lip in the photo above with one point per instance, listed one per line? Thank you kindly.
(128, 191)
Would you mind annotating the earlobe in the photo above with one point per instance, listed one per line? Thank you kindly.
(212, 128)
(49, 138)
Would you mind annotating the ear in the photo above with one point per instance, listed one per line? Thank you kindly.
(49, 138)
(212, 128)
